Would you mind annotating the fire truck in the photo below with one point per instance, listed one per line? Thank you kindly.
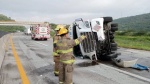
(40, 32)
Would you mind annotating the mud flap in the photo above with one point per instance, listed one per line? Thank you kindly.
(68, 73)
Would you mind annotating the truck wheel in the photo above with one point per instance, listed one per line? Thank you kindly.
(114, 25)
(108, 19)
(113, 29)
(114, 48)
(45, 39)
(104, 58)
(111, 36)
(113, 55)
(111, 33)
(113, 44)
(112, 41)
(36, 39)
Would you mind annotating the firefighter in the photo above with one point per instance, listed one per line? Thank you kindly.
(64, 49)
(56, 55)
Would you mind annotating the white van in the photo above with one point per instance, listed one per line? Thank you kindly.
(27, 31)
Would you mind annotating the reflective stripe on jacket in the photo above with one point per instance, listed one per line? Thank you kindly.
(68, 61)
(55, 40)
(65, 48)
(64, 51)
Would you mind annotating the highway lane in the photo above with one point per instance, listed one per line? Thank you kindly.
(131, 54)
(37, 61)
(143, 59)
(126, 54)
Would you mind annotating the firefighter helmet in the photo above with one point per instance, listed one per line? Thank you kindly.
(59, 27)
(62, 31)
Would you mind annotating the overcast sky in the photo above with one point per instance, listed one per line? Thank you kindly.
(66, 11)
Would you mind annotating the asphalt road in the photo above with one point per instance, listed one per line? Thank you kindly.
(35, 60)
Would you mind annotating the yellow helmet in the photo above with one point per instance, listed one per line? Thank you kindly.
(57, 28)
(62, 31)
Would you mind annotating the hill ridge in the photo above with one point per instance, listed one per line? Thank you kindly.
(135, 23)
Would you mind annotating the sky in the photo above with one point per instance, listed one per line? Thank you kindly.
(66, 11)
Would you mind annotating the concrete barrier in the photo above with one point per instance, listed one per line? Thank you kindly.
(3, 47)
(3, 33)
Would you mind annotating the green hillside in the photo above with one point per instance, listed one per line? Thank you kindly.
(9, 28)
(5, 18)
(134, 23)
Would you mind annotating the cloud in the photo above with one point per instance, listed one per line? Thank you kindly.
(65, 11)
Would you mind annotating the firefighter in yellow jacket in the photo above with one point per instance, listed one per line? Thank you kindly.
(65, 48)
(56, 55)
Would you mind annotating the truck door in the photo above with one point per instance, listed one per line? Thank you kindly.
(97, 26)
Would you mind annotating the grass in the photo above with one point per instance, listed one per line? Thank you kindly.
(135, 42)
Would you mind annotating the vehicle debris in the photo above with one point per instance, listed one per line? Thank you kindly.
(140, 67)
(130, 64)
(123, 63)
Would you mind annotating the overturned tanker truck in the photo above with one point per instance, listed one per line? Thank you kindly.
(99, 44)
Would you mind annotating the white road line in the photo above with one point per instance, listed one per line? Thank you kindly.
(42, 44)
(125, 72)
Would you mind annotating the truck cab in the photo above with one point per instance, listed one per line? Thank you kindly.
(99, 44)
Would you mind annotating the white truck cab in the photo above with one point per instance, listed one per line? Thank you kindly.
(98, 44)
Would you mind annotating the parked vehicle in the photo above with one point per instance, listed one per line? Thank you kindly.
(40, 32)
(27, 31)
(100, 44)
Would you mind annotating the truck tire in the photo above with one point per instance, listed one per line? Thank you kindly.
(112, 41)
(111, 33)
(113, 29)
(36, 39)
(114, 25)
(114, 48)
(113, 55)
(113, 44)
(111, 36)
(45, 39)
(108, 19)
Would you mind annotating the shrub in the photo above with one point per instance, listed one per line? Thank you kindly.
(52, 33)
(147, 34)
